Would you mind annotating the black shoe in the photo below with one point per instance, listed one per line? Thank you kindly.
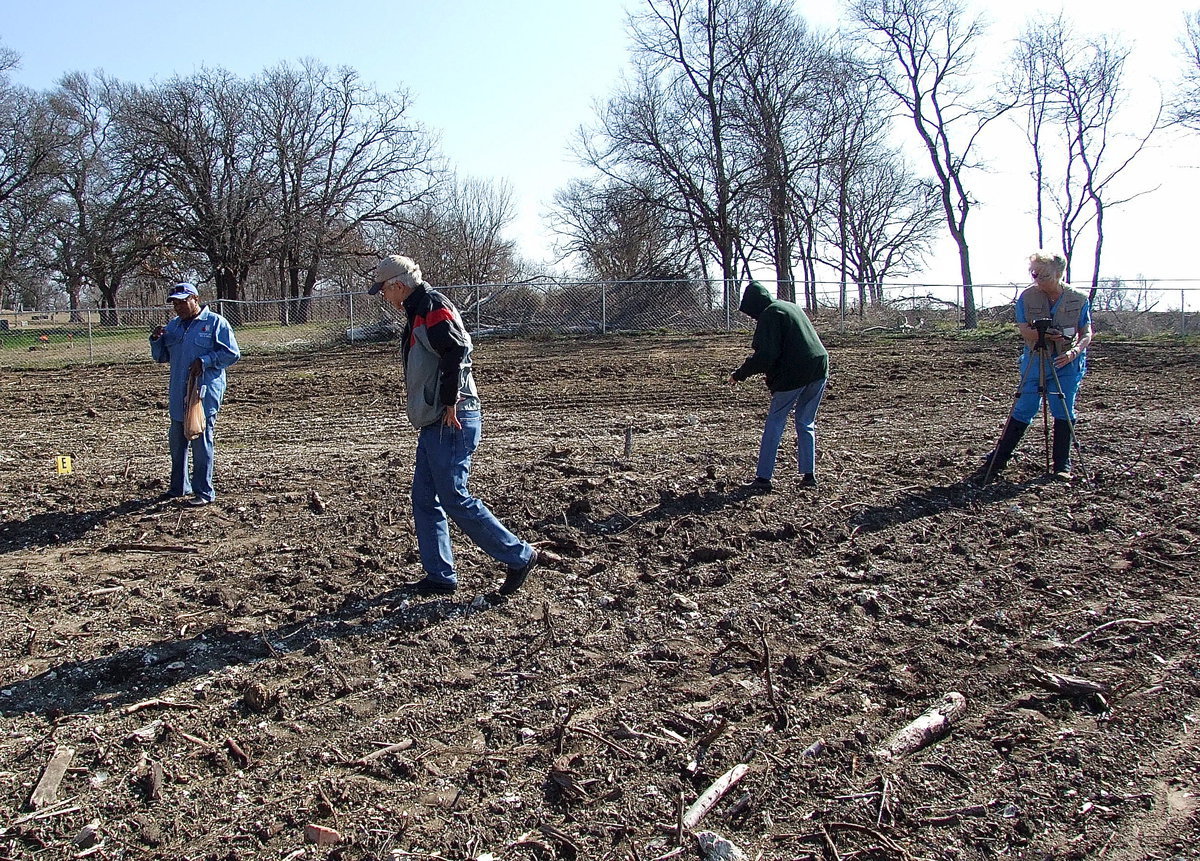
(515, 578)
(807, 479)
(761, 485)
(428, 586)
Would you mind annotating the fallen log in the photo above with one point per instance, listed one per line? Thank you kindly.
(929, 727)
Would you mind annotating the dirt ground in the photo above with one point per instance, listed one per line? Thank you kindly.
(249, 681)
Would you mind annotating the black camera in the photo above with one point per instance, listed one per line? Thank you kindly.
(1043, 325)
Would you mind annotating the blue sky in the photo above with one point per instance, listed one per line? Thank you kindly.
(507, 83)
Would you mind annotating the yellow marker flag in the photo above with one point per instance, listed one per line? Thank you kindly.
(63, 464)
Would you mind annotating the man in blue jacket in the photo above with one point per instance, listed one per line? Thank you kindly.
(443, 405)
(788, 352)
(198, 341)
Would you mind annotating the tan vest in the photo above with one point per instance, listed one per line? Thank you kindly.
(1066, 312)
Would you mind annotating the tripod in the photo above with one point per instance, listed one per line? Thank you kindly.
(1047, 372)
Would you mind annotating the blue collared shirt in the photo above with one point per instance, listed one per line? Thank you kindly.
(207, 337)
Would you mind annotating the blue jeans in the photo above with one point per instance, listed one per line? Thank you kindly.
(200, 482)
(805, 402)
(1029, 399)
(439, 489)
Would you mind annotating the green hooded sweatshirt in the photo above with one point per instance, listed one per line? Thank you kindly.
(786, 346)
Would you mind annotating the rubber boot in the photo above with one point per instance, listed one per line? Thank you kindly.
(998, 459)
(1061, 449)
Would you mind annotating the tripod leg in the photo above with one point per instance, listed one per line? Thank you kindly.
(1043, 360)
(1065, 438)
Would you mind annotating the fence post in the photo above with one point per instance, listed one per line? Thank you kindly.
(478, 311)
(350, 298)
(603, 308)
(89, 337)
(1182, 313)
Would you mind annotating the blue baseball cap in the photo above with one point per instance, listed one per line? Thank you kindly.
(182, 291)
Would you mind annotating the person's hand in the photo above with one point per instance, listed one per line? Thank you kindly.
(157, 332)
(733, 381)
(197, 368)
(450, 417)
(1064, 359)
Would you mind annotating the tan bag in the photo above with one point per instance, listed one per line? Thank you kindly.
(193, 409)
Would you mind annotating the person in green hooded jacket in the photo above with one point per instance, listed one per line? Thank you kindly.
(788, 352)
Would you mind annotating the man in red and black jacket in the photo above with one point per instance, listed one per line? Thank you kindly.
(443, 405)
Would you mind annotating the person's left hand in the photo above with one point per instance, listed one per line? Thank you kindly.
(1064, 359)
(450, 417)
(197, 368)
(733, 381)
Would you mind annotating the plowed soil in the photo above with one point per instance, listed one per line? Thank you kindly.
(250, 681)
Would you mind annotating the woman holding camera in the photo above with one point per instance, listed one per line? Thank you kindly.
(1056, 325)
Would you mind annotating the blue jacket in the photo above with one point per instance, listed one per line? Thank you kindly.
(207, 337)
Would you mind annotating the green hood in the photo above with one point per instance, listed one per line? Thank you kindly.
(755, 300)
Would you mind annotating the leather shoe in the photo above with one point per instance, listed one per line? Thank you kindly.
(428, 586)
(516, 577)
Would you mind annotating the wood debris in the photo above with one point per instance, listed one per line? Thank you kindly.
(709, 797)
(929, 727)
(46, 791)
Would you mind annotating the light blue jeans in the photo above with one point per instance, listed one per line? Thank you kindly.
(1029, 399)
(805, 402)
(439, 489)
(200, 480)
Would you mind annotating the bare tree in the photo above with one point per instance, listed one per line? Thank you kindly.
(890, 222)
(342, 155)
(24, 254)
(672, 123)
(855, 123)
(1078, 85)
(1185, 106)
(31, 142)
(621, 233)
(107, 220)
(30, 139)
(197, 135)
(926, 51)
(458, 235)
(1025, 86)
(780, 70)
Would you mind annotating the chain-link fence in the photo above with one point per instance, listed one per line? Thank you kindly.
(115, 335)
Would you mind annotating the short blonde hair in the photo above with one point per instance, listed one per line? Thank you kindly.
(1048, 263)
